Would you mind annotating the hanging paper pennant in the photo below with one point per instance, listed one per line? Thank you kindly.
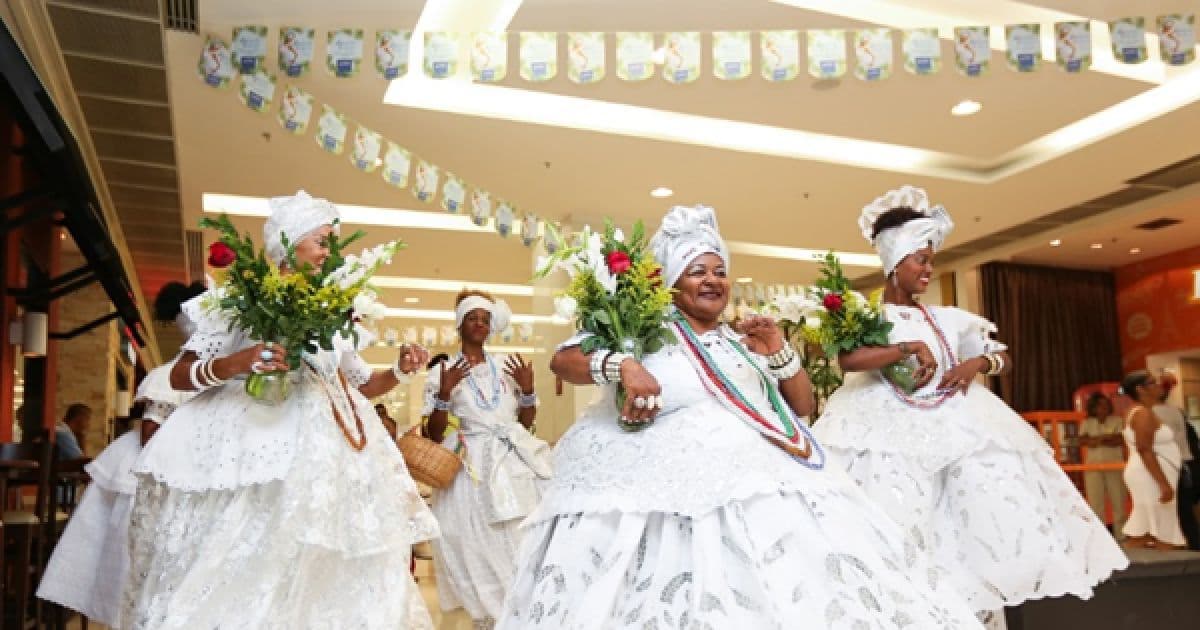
(441, 55)
(780, 55)
(505, 214)
(635, 56)
(1177, 38)
(827, 53)
(489, 56)
(391, 53)
(454, 192)
(448, 335)
(972, 49)
(412, 335)
(216, 63)
(481, 207)
(295, 50)
(585, 57)
(1073, 41)
(873, 52)
(539, 56)
(331, 130)
(529, 229)
(344, 52)
(731, 55)
(295, 110)
(249, 48)
(922, 51)
(1024, 46)
(365, 155)
(396, 163)
(681, 60)
(257, 91)
(1129, 39)
(425, 184)
(429, 336)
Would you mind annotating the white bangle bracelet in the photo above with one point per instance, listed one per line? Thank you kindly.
(206, 371)
(192, 374)
(788, 370)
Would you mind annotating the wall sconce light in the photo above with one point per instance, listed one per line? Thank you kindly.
(31, 331)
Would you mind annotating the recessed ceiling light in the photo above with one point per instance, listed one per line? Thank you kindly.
(1097, 245)
(1056, 242)
(745, 280)
(966, 108)
(411, 300)
(1135, 250)
(662, 192)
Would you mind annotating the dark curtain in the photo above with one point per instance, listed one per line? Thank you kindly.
(1061, 329)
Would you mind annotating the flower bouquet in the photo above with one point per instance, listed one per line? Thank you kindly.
(302, 309)
(616, 293)
(838, 319)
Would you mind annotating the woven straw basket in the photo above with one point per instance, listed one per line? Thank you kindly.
(428, 462)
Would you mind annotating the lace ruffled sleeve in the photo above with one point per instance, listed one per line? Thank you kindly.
(158, 411)
(575, 340)
(212, 337)
(355, 368)
(975, 335)
(433, 384)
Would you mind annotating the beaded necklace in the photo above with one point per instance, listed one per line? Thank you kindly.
(787, 434)
(483, 403)
(938, 398)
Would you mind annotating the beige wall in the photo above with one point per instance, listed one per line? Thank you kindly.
(87, 364)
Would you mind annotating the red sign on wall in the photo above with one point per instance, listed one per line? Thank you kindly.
(1158, 306)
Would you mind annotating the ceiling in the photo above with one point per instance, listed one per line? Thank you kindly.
(1002, 169)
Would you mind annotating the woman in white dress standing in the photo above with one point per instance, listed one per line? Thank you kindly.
(297, 515)
(951, 462)
(719, 514)
(503, 464)
(1152, 472)
(89, 568)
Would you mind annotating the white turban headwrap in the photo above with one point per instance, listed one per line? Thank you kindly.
(297, 217)
(501, 313)
(686, 234)
(894, 244)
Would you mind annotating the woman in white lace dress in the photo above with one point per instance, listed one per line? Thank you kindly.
(951, 462)
(300, 515)
(720, 514)
(89, 568)
(503, 464)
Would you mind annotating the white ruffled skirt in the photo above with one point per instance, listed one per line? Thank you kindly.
(325, 545)
(979, 484)
(762, 544)
(90, 565)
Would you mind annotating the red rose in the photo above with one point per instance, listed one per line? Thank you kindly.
(220, 255)
(618, 262)
(832, 302)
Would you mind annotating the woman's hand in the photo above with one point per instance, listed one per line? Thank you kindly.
(926, 364)
(962, 375)
(521, 372)
(762, 335)
(452, 376)
(1166, 495)
(639, 385)
(257, 359)
(412, 358)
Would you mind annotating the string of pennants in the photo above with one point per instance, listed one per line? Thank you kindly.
(639, 55)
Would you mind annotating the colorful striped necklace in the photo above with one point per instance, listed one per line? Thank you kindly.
(788, 433)
(483, 403)
(937, 399)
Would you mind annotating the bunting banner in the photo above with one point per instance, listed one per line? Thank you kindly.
(296, 50)
(391, 53)
(344, 51)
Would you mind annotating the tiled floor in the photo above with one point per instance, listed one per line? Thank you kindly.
(453, 621)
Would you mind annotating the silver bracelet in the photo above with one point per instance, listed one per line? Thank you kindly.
(192, 374)
(596, 367)
(526, 401)
(787, 370)
(206, 372)
(782, 358)
(612, 366)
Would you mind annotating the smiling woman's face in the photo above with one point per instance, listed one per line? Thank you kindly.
(913, 273)
(702, 292)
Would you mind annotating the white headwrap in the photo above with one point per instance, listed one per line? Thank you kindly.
(296, 216)
(501, 314)
(893, 244)
(686, 234)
